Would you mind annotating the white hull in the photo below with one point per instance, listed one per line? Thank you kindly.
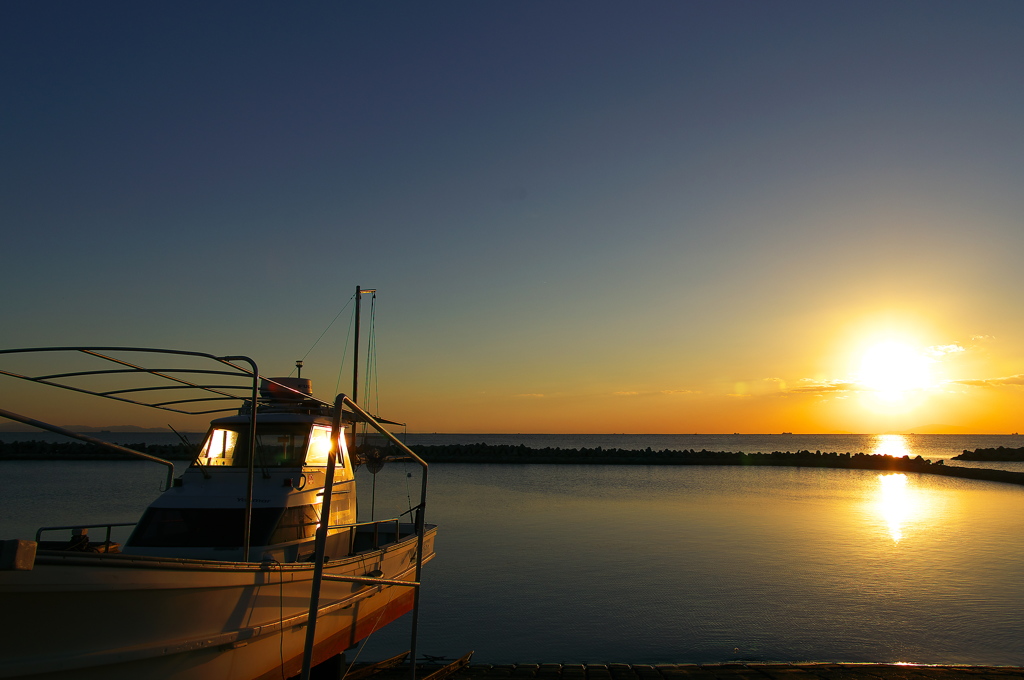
(89, 616)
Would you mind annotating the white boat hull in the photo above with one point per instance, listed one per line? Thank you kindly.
(123, 616)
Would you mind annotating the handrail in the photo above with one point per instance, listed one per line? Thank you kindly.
(320, 542)
(106, 541)
(40, 530)
(380, 428)
(247, 537)
(340, 402)
(419, 519)
(354, 525)
(397, 521)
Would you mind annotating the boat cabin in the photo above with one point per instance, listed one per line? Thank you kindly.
(202, 515)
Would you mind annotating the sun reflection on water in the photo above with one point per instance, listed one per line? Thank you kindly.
(896, 504)
(891, 445)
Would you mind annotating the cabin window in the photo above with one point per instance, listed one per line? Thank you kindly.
(276, 446)
(202, 527)
(320, 446)
(219, 448)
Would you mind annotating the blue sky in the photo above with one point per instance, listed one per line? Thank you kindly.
(580, 216)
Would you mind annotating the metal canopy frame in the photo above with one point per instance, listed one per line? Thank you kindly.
(172, 378)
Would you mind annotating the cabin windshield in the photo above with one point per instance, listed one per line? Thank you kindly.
(276, 446)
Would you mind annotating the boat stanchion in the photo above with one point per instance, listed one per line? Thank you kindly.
(321, 540)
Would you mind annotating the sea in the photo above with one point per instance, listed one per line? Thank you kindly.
(540, 563)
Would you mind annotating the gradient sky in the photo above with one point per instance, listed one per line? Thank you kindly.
(580, 216)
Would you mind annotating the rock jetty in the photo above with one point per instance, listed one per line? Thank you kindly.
(39, 450)
(997, 454)
(492, 453)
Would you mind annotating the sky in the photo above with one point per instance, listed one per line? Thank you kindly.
(638, 217)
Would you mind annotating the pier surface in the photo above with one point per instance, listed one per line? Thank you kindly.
(725, 671)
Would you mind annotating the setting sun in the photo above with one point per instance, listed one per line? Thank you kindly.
(893, 368)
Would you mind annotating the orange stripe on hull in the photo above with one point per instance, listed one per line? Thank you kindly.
(348, 636)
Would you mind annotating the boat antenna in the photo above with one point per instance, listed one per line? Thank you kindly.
(298, 368)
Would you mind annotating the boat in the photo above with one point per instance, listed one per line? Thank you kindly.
(251, 564)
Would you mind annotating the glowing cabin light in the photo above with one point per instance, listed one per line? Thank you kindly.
(319, 446)
(220, 444)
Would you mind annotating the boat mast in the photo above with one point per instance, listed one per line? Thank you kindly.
(355, 354)
(355, 351)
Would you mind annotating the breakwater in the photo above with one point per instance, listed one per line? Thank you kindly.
(498, 453)
(41, 450)
(1000, 453)
(489, 453)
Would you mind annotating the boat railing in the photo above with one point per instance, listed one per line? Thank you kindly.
(374, 529)
(85, 527)
(340, 402)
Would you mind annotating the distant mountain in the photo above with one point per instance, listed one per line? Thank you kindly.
(18, 427)
(941, 429)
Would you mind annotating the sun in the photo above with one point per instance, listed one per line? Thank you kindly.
(892, 369)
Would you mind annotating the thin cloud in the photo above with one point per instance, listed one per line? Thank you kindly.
(993, 382)
(824, 386)
(943, 350)
(637, 393)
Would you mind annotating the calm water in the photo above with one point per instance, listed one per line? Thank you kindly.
(646, 564)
